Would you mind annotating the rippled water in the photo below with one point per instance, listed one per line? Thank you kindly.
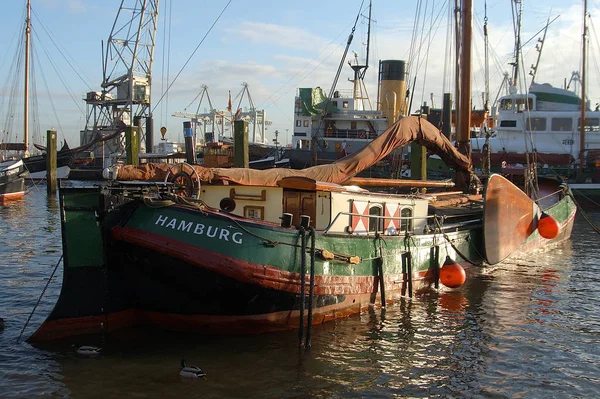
(526, 329)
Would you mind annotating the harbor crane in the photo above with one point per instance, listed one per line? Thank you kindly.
(124, 99)
(221, 119)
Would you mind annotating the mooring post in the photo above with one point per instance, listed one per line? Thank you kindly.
(240, 144)
(51, 161)
(188, 135)
(447, 115)
(132, 143)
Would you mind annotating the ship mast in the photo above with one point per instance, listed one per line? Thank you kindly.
(582, 122)
(463, 135)
(361, 70)
(26, 93)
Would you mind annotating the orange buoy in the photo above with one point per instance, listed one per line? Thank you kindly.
(452, 275)
(548, 226)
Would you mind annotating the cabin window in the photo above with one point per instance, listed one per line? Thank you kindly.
(536, 124)
(254, 212)
(521, 104)
(406, 224)
(375, 222)
(562, 124)
(345, 104)
(334, 103)
(591, 124)
(298, 123)
(508, 123)
(506, 105)
(300, 134)
(306, 123)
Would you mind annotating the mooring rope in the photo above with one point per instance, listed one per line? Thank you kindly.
(584, 214)
(39, 299)
(454, 246)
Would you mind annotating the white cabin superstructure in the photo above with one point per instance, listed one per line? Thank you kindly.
(344, 121)
(347, 125)
(546, 117)
(334, 208)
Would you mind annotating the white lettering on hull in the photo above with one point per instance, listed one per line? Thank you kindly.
(209, 231)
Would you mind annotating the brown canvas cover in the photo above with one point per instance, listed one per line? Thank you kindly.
(406, 130)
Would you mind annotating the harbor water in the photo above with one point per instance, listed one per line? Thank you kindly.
(528, 328)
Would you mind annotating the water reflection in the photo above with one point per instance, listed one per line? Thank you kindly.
(528, 328)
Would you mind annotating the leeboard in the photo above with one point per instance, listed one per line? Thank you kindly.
(509, 218)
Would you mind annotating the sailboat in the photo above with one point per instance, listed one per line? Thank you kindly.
(36, 164)
(12, 170)
(232, 250)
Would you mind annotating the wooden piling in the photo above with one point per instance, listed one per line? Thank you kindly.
(240, 145)
(51, 161)
(190, 150)
(132, 143)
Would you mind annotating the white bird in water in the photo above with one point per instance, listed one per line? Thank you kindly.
(86, 350)
(190, 371)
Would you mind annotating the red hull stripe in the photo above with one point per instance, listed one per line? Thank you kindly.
(260, 275)
(208, 324)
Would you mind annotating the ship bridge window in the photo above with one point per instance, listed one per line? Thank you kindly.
(536, 124)
(591, 124)
(298, 123)
(306, 123)
(506, 105)
(508, 123)
(406, 224)
(345, 104)
(562, 124)
(375, 223)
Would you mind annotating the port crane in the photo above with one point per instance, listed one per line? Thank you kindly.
(221, 119)
(124, 99)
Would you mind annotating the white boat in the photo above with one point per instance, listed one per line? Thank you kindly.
(545, 120)
(12, 180)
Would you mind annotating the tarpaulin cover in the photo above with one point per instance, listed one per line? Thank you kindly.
(313, 102)
(404, 131)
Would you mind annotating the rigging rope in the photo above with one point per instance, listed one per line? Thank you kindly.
(192, 54)
(583, 213)
(40, 298)
(315, 138)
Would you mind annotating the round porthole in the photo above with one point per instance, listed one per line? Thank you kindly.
(227, 204)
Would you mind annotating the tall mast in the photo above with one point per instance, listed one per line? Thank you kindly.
(26, 94)
(518, 43)
(463, 136)
(582, 123)
(361, 70)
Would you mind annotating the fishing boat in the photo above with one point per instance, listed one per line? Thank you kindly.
(543, 127)
(235, 250)
(12, 180)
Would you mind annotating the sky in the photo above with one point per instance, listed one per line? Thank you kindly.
(277, 47)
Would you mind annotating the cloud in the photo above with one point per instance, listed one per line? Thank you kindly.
(267, 34)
